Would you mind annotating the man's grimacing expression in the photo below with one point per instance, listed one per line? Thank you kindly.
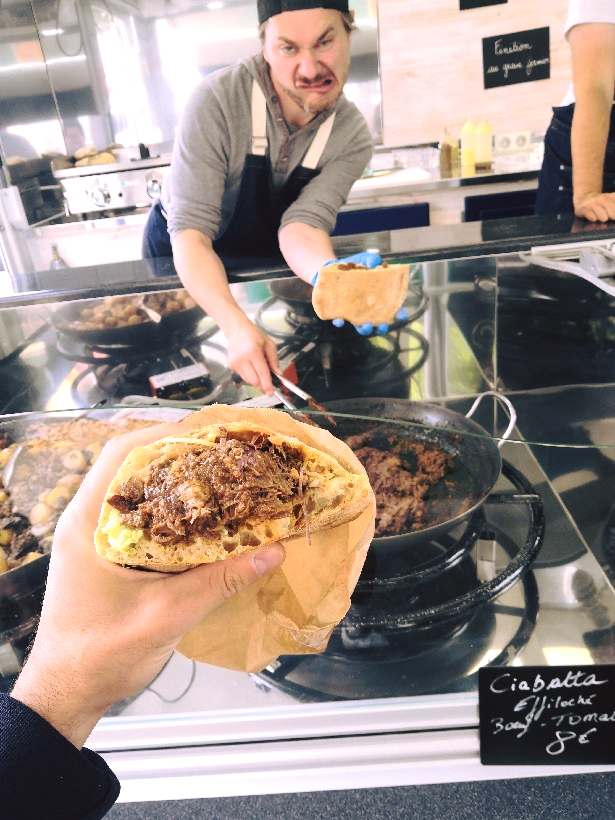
(308, 53)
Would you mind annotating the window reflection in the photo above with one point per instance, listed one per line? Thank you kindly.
(75, 73)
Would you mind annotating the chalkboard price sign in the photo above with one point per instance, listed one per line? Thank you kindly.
(554, 715)
(522, 57)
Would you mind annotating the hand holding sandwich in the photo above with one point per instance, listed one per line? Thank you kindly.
(115, 628)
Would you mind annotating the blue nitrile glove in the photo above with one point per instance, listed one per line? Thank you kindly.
(368, 259)
(368, 328)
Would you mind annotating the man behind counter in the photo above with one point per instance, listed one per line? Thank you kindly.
(265, 155)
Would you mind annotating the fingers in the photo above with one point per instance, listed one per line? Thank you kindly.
(600, 208)
(401, 316)
(271, 353)
(263, 376)
(363, 330)
(591, 212)
(252, 354)
(263, 367)
(369, 259)
(372, 260)
(367, 328)
(256, 372)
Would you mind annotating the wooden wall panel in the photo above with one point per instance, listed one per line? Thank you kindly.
(431, 67)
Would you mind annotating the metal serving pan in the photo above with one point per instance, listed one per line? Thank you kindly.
(477, 457)
(145, 332)
(22, 588)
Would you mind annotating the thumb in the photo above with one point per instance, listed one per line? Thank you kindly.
(221, 580)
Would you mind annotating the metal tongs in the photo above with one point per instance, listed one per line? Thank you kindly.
(310, 400)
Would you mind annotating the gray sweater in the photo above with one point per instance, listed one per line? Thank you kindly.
(214, 136)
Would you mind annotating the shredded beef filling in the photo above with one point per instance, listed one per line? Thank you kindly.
(210, 488)
(400, 491)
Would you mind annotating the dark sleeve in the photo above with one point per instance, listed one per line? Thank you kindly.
(44, 776)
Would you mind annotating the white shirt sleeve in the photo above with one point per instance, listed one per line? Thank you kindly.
(589, 11)
(586, 11)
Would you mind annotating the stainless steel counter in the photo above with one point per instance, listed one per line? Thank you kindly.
(415, 170)
(112, 230)
(473, 239)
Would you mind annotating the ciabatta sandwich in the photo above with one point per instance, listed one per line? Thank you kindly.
(360, 295)
(220, 490)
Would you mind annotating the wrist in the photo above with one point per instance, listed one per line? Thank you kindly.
(231, 320)
(581, 195)
(225, 312)
(62, 702)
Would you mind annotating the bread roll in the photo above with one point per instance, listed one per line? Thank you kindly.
(86, 151)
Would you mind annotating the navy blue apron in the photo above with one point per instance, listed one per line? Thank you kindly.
(253, 229)
(554, 195)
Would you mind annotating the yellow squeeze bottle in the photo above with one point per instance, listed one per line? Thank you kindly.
(468, 146)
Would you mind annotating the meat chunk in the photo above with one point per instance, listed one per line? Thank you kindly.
(130, 495)
(209, 491)
(400, 489)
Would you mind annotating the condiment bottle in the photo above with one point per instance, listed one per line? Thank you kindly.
(468, 147)
(455, 153)
(447, 146)
(484, 146)
(56, 260)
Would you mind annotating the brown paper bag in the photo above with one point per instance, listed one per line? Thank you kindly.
(294, 610)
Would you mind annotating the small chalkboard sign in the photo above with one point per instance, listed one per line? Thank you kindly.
(478, 4)
(547, 715)
(521, 57)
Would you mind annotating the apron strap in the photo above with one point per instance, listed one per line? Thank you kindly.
(259, 130)
(259, 121)
(318, 143)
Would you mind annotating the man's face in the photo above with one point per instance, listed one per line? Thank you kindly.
(308, 53)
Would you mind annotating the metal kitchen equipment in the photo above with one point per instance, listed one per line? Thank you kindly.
(133, 183)
(423, 625)
(176, 370)
(594, 262)
(423, 593)
(476, 454)
(66, 322)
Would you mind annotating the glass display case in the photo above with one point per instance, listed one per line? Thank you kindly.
(521, 576)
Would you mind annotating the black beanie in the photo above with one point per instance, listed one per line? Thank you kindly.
(269, 8)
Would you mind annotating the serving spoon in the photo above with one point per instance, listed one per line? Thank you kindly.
(155, 317)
